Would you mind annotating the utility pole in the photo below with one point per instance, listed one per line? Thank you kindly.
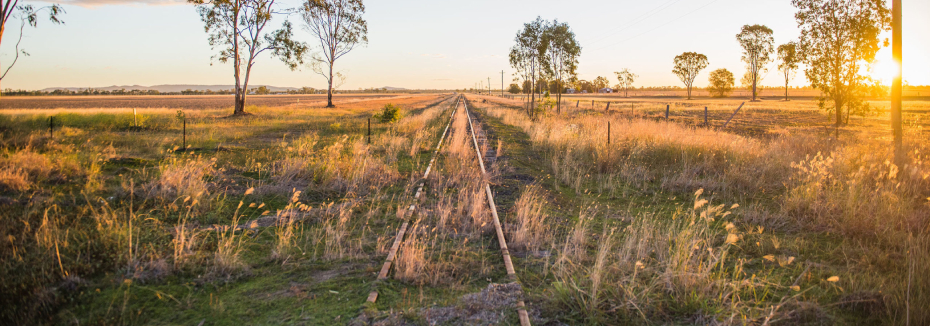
(489, 86)
(896, 87)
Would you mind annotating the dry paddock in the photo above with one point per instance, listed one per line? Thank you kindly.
(186, 102)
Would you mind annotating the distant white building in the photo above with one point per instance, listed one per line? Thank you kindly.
(605, 90)
(570, 91)
(584, 92)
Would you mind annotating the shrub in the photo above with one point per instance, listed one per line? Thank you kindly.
(721, 83)
(389, 114)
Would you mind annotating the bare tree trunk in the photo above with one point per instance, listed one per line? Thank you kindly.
(532, 94)
(754, 80)
(240, 104)
(786, 86)
(329, 93)
(847, 117)
(839, 116)
(239, 107)
(559, 89)
(245, 87)
(3, 29)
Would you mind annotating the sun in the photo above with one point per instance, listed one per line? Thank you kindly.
(884, 68)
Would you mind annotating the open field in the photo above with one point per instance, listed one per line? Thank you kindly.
(922, 93)
(287, 216)
(186, 102)
(766, 117)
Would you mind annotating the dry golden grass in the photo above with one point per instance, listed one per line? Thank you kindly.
(182, 178)
(174, 102)
(796, 180)
(530, 231)
(440, 248)
(79, 212)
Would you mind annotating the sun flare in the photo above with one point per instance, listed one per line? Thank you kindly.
(884, 68)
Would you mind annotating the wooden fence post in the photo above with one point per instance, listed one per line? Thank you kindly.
(608, 107)
(184, 133)
(607, 163)
(705, 116)
(734, 114)
(51, 127)
(666, 111)
(577, 103)
(608, 132)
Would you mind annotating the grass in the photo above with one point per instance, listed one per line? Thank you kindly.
(768, 260)
(286, 216)
(124, 212)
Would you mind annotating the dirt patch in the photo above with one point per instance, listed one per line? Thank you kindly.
(490, 306)
(494, 305)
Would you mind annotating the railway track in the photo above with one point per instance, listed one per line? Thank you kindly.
(411, 212)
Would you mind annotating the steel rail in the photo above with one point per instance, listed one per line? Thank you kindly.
(501, 240)
(373, 296)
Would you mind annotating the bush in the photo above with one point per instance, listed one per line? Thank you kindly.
(721, 83)
(389, 114)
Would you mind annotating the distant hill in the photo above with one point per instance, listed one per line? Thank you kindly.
(394, 88)
(170, 88)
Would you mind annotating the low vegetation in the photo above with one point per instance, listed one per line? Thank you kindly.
(288, 214)
(695, 225)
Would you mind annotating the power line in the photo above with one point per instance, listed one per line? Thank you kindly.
(660, 26)
(636, 20)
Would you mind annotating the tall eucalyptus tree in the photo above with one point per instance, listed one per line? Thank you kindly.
(687, 67)
(839, 37)
(238, 28)
(339, 26)
(561, 56)
(527, 54)
(757, 43)
(626, 79)
(788, 60)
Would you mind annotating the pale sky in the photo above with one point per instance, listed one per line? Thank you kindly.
(419, 43)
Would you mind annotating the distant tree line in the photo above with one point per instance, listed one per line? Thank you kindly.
(261, 90)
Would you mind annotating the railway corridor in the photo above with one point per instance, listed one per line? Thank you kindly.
(452, 238)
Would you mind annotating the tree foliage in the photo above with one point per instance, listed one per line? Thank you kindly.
(758, 44)
(390, 113)
(687, 66)
(339, 26)
(560, 61)
(262, 90)
(838, 38)
(788, 60)
(238, 29)
(601, 82)
(721, 82)
(514, 89)
(27, 15)
(527, 54)
(625, 79)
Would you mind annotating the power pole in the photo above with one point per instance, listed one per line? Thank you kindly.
(896, 87)
(489, 86)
